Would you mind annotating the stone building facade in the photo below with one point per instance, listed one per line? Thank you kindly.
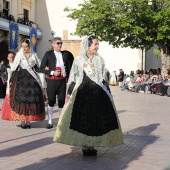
(16, 8)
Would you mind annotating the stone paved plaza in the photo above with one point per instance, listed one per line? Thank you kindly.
(145, 121)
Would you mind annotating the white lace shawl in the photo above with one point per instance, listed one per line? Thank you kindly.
(76, 74)
(20, 55)
(21, 60)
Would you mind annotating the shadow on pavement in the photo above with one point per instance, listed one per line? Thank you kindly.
(109, 158)
(16, 150)
(37, 125)
(143, 130)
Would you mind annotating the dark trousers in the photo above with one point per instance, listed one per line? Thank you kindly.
(153, 88)
(56, 87)
(163, 89)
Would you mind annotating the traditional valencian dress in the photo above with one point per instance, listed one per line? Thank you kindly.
(90, 117)
(25, 101)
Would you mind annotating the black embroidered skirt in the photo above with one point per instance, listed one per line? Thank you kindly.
(26, 97)
(93, 113)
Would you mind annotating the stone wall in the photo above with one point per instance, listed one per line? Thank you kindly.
(72, 45)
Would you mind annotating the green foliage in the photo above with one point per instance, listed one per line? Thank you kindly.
(125, 22)
(157, 53)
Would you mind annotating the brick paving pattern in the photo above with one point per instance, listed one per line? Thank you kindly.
(145, 121)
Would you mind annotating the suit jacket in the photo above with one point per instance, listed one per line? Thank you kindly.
(4, 73)
(5, 66)
(49, 60)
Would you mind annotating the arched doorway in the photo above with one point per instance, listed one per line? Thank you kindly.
(3, 50)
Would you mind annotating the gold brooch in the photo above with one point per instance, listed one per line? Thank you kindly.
(91, 65)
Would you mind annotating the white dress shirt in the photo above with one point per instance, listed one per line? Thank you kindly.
(59, 63)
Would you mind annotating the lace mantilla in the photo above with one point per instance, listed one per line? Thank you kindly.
(76, 74)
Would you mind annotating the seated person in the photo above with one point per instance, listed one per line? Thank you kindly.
(130, 85)
(155, 85)
(137, 83)
(125, 82)
(146, 83)
(164, 86)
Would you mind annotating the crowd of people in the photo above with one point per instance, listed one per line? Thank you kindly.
(27, 22)
(151, 82)
(20, 20)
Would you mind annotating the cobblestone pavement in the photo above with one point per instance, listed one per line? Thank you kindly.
(145, 121)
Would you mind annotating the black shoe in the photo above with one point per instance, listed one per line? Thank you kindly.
(28, 126)
(89, 152)
(23, 126)
(86, 152)
(49, 126)
(93, 152)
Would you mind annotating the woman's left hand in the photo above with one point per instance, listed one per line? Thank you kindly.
(67, 98)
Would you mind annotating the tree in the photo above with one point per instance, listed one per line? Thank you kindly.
(126, 23)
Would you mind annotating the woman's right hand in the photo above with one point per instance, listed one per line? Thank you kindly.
(67, 98)
(46, 68)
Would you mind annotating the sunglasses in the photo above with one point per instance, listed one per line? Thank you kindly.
(58, 43)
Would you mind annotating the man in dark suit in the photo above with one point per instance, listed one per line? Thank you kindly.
(59, 65)
(5, 66)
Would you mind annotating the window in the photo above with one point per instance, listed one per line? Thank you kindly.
(6, 4)
(6, 7)
(26, 14)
